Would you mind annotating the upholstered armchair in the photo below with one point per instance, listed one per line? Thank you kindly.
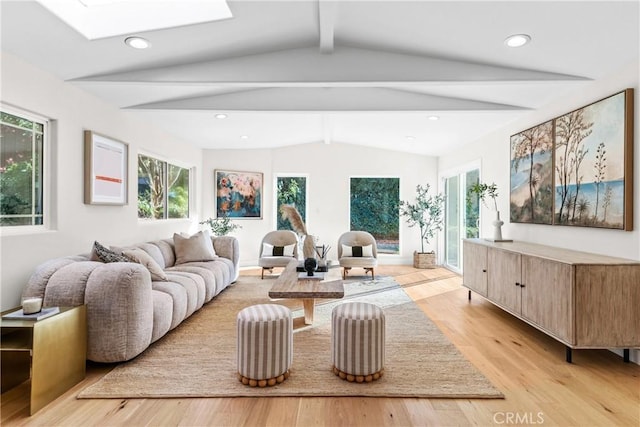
(357, 249)
(277, 249)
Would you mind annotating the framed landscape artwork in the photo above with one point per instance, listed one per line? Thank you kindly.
(105, 170)
(594, 164)
(531, 175)
(238, 194)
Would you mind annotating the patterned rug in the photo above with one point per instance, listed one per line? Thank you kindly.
(198, 358)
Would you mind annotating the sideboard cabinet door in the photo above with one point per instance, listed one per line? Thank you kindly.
(475, 267)
(504, 276)
(547, 296)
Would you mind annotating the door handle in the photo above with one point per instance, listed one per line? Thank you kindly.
(517, 284)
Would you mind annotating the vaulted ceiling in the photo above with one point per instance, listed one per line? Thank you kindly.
(372, 73)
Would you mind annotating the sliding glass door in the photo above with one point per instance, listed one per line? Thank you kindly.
(461, 215)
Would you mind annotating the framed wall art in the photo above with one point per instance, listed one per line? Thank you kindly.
(531, 175)
(594, 164)
(105, 170)
(238, 194)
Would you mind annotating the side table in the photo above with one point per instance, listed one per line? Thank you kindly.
(52, 350)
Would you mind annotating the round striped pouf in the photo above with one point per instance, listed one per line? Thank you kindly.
(357, 341)
(264, 344)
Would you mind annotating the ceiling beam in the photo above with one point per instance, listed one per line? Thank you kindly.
(326, 100)
(326, 18)
(346, 66)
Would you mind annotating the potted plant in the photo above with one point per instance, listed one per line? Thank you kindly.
(428, 214)
(221, 226)
(483, 191)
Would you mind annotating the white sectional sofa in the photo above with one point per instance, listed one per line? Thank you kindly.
(133, 304)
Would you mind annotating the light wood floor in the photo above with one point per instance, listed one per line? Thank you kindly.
(598, 389)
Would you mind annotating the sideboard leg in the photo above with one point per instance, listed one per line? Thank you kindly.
(568, 354)
(469, 296)
(625, 354)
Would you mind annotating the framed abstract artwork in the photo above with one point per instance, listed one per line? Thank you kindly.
(238, 194)
(593, 156)
(531, 175)
(105, 170)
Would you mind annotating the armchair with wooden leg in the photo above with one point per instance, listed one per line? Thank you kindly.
(357, 249)
(277, 249)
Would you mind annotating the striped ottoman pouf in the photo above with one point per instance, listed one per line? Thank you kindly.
(357, 341)
(264, 344)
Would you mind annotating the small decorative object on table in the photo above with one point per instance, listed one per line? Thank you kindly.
(310, 265)
(483, 190)
(31, 305)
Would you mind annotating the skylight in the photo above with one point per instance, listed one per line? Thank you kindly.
(96, 19)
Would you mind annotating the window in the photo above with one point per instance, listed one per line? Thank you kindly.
(22, 140)
(291, 190)
(374, 208)
(163, 189)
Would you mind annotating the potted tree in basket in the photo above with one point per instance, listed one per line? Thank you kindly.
(428, 214)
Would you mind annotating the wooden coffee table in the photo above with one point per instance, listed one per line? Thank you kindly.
(288, 285)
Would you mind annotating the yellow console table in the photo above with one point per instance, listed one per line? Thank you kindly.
(52, 352)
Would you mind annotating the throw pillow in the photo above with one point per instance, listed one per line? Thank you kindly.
(106, 255)
(271, 250)
(141, 257)
(194, 248)
(357, 251)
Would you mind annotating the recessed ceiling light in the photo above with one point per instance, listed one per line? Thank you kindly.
(220, 116)
(434, 118)
(410, 137)
(517, 40)
(137, 42)
(244, 136)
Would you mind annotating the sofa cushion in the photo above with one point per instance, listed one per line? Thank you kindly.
(142, 257)
(104, 254)
(198, 247)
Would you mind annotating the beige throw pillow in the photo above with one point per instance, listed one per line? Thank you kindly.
(193, 249)
(141, 257)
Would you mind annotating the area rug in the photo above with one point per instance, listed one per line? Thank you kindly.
(198, 358)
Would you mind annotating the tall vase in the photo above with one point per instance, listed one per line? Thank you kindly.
(497, 227)
(309, 247)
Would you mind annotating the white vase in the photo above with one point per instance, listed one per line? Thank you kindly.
(497, 228)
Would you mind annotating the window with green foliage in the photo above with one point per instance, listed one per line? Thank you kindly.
(163, 189)
(374, 208)
(21, 169)
(291, 190)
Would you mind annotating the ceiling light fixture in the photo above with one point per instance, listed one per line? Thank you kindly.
(517, 40)
(220, 116)
(433, 118)
(244, 136)
(410, 137)
(137, 42)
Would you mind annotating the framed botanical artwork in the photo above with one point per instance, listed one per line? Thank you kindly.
(238, 194)
(531, 175)
(594, 164)
(105, 170)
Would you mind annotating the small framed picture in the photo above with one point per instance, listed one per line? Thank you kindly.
(105, 170)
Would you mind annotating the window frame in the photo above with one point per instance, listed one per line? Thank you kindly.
(167, 163)
(399, 225)
(275, 196)
(47, 179)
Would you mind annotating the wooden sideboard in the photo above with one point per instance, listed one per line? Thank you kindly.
(583, 300)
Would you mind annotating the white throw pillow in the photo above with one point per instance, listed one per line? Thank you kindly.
(271, 250)
(357, 251)
(141, 257)
(194, 248)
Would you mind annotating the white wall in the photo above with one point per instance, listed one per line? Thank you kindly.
(328, 168)
(494, 154)
(77, 225)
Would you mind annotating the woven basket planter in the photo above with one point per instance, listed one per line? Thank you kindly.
(424, 260)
